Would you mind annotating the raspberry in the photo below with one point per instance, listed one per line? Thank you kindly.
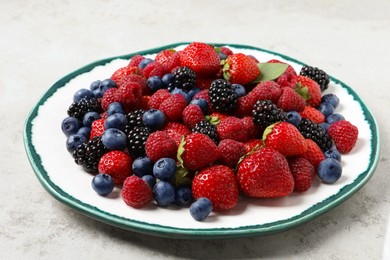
(232, 128)
(230, 152)
(129, 95)
(135, 60)
(267, 90)
(97, 128)
(136, 192)
(158, 97)
(173, 107)
(344, 135)
(153, 69)
(291, 101)
(192, 115)
(303, 173)
(123, 72)
(204, 83)
(252, 130)
(204, 94)
(245, 105)
(288, 78)
(160, 145)
(117, 164)
(109, 97)
(137, 79)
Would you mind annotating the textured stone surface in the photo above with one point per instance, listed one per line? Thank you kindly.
(42, 41)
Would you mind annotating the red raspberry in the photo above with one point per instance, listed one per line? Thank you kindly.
(135, 60)
(176, 131)
(117, 164)
(288, 78)
(253, 144)
(344, 134)
(245, 105)
(97, 128)
(302, 171)
(192, 115)
(218, 116)
(170, 59)
(104, 115)
(129, 95)
(153, 69)
(109, 97)
(123, 72)
(291, 101)
(253, 130)
(136, 192)
(204, 94)
(230, 152)
(267, 90)
(204, 83)
(232, 128)
(138, 79)
(158, 97)
(313, 153)
(144, 103)
(159, 145)
(173, 107)
(313, 114)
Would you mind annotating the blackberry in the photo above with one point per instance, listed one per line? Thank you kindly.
(222, 96)
(315, 132)
(207, 128)
(184, 78)
(317, 75)
(136, 140)
(80, 108)
(88, 154)
(134, 119)
(266, 113)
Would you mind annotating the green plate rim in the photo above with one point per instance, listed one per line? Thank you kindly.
(191, 233)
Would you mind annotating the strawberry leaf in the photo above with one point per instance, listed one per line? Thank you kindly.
(180, 150)
(270, 71)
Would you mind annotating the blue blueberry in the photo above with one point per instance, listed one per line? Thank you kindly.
(334, 118)
(183, 196)
(107, 84)
(150, 180)
(164, 169)
(239, 90)
(222, 56)
(202, 103)
(89, 118)
(114, 139)
(181, 92)
(115, 107)
(326, 109)
(117, 121)
(74, 141)
(329, 170)
(154, 83)
(82, 93)
(333, 153)
(153, 118)
(193, 92)
(201, 209)
(294, 118)
(142, 166)
(144, 62)
(331, 98)
(164, 193)
(167, 79)
(70, 125)
(86, 131)
(325, 126)
(103, 184)
(95, 86)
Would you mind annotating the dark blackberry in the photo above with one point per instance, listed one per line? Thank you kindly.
(184, 78)
(315, 132)
(266, 113)
(207, 128)
(88, 154)
(222, 96)
(317, 75)
(136, 140)
(80, 108)
(134, 119)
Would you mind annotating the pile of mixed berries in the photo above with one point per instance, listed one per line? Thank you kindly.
(201, 127)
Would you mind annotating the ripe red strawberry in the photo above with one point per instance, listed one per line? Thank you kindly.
(176, 131)
(302, 171)
(313, 153)
(285, 138)
(109, 97)
(232, 128)
(192, 115)
(123, 72)
(313, 114)
(253, 144)
(267, 90)
(252, 130)
(117, 164)
(129, 95)
(135, 60)
(265, 174)
(158, 97)
(309, 90)
(97, 128)
(344, 134)
(170, 59)
(217, 183)
(159, 145)
(226, 50)
(291, 101)
(173, 107)
(230, 152)
(197, 151)
(153, 69)
(201, 58)
(240, 69)
(288, 78)
(136, 192)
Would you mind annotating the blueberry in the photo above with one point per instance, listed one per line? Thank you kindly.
(82, 93)
(239, 90)
(154, 119)
(142, 166)
(150, 180)
(201, 208)
(144, 62)
(107, 84)
(329, 170)
(333, 153)
(167, 79)
(326, 109)
(103, 184)
(114, 139)
(89, 117)
(334, 118)
(117, 121)
(164, 193)
(183, 196)
(95, 85)
(181, 92)
(164, 169)
(222, 56)
(193, 92)
(115, 107)
(70, 125)
(154, 83)
(331, 98)
(86, 131)
(294, 118)
(74, 141)
(202, 103)
(325, 126)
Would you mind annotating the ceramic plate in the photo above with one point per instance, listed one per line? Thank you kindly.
(62, 178)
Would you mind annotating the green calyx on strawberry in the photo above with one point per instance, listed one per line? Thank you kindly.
(213, 119)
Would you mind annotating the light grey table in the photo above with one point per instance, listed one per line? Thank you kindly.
(43, 40)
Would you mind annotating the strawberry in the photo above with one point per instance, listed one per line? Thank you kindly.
(158, 97)
(192, 115)
(217, 183)
(204, 83)
(225, 50)
(159, 145)
(313, 153)
(218, 116)
(265, 174)
(176, 131)
(135, 60)
(173, 107)
(136, 192)
(344, 135)
(117, 164)
(123, 72)
(285, 138)
(252, 130)
(302, 171)
(230, 152)
(309, 90)
(153, 69)
(240, 69)
(109, 97)
(201, 58)
(232, 128)
(170, 59)
(313, 114)
(291, 101)
(253, 144)
(288, 78)
(267, 90)
(97, 128)
(197, 151)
